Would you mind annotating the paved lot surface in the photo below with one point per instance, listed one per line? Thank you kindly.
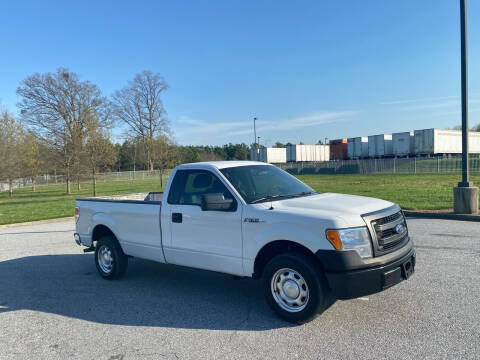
(53, 305)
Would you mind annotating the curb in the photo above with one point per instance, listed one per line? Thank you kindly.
(39, 222)
(442, 216)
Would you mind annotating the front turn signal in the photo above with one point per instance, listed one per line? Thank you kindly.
(334, 237)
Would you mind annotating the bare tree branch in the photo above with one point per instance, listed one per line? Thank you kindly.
(139, 106)
(57, 107)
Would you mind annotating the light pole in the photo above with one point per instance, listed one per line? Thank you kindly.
(465, 195)
(255, 137)
(463, 35)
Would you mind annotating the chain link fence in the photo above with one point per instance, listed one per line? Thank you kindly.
(414, 165)
(85, 178)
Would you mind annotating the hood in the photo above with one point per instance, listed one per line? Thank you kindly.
(339, 205)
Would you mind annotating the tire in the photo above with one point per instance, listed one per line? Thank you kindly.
(295, 288)
(110, 260)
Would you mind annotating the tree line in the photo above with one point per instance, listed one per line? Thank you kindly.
(65, 127)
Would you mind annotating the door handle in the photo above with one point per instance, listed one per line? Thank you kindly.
(177, 217)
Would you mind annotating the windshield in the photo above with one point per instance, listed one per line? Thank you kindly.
(258, 183)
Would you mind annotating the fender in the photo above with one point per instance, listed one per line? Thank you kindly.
(282, 231)
(99, 218)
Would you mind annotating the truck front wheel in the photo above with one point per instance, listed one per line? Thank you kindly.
(294, 287)
(110, 260)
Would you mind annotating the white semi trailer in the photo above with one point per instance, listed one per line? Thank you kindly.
(269, 155)
(308, 153)
(380, 145)
(358, 147)
(403, 143)
(437, 141)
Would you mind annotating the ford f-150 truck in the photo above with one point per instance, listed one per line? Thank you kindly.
(252, 219)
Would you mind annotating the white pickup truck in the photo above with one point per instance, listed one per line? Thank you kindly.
(255, 220)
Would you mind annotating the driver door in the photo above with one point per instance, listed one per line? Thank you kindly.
(210, 240)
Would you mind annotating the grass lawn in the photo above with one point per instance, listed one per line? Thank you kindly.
(425, 192)
(411, 192)
(50, 202)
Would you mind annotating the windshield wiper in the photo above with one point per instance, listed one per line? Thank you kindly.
(278, 196)
(303, 193)
(267, 198)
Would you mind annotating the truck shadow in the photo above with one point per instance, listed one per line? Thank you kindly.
(151, 294)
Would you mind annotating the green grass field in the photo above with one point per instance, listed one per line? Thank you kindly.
(413, 192)
(50, 202)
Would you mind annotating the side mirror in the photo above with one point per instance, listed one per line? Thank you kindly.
(216, 202)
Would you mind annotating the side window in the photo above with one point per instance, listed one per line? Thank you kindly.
(189, 186)
(176, 189)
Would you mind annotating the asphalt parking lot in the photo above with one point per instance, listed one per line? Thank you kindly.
(53, 305)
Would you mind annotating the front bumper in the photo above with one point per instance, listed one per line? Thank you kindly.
(354, 283)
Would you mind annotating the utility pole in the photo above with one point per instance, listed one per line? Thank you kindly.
(465, 199)
(255, 138)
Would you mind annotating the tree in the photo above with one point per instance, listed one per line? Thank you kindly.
(241, 152)
(164, 154)
(99, 150)
(56, 107)
(139, 105)
(188, 154)
(33, 159)
(278, 144)
(11, 138)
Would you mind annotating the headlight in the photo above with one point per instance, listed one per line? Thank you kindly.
(356, 239)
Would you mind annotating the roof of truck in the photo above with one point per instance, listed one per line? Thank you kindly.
(219, 164)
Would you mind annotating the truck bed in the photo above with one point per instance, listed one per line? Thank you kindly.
(151, 197)
(134, 219)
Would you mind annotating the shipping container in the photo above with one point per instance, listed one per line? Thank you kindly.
(338, 149)
(269, 155)
(357, 147)
(380, 145)
(437, 141)
(308, 153)
(403, 143)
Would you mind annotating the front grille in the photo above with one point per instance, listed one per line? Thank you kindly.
(385, 233)
(388, 218)
(394, 244)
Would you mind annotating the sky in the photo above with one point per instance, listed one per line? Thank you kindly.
(309, 70)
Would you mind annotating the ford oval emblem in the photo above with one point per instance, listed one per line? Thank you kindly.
(400, 228)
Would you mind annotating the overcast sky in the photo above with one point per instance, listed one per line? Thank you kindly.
(308, 70)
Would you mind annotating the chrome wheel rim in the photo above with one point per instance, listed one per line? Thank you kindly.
(290, 290)
(105, 259)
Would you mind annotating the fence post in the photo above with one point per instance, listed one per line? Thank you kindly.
(438, 164)
(394, 165)
(375, 164)
(415, 164)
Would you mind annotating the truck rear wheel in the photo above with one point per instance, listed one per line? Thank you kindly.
(110, 260)
(294, 287)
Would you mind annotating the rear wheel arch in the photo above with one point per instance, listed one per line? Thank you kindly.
(278, 247)
(100, 231)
